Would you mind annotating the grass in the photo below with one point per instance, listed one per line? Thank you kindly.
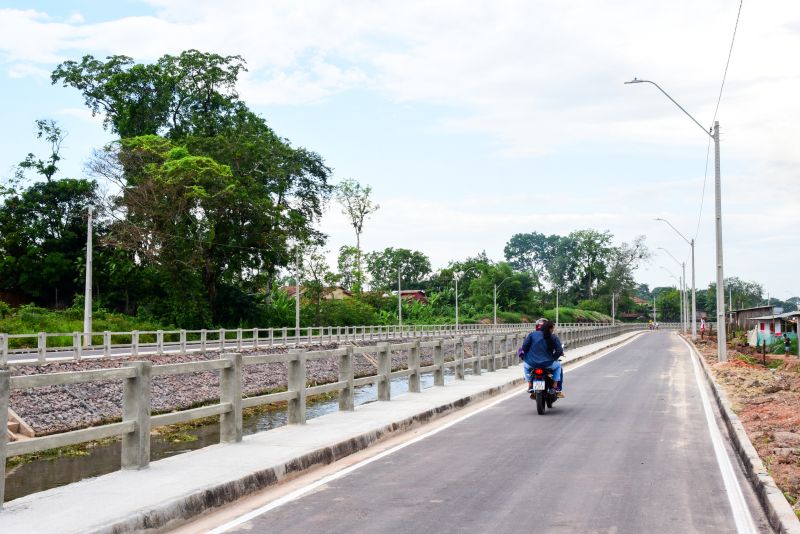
(577, 315)
(30, 319)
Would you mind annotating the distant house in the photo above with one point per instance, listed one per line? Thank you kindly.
(770, 328)
(742, 317)
(411, 294)
(330, 293)
(639, 301)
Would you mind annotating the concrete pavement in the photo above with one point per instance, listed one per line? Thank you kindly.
(629, 451)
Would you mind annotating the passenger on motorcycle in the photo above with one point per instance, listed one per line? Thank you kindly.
(542, 349)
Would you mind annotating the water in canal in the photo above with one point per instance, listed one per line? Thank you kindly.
(44, 474)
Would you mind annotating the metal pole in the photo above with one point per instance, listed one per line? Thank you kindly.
(297, 295)
(694, 299)
(456, 277)
(87, 299)
(495, 305)
(722, 353)
(685, 301)
(556, 307)
(399, 300)
(613, 309)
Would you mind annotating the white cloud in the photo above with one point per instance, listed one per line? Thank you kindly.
(538, 77)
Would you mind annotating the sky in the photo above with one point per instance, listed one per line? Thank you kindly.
(473, 121)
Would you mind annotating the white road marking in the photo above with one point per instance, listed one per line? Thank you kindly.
(741, 512)
(289, 497)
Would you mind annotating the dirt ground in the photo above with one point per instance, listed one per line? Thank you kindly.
(767, 401)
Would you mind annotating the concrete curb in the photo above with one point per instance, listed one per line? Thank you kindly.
(181, 510)
(779, 512)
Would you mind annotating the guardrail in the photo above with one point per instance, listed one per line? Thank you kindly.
(39, 348)
(487, 352)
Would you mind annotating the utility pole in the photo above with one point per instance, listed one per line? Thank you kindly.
(613, 309)
(654, 311)
(297, 294)
(87, 296)
(722, 349)
(722, 354)
(557, 291)
(456, 278)
(399, 301)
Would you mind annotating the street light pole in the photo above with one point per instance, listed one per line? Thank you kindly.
(680, 290)
(399, 301)
(297, 294)
(87, 296)
(456, 278)
(722, 354)
(684, 313)
(694, 290)
(496, 286)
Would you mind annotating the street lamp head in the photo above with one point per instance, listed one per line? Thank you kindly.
(635, 80)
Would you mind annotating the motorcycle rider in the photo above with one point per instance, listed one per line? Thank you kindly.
(542, 349)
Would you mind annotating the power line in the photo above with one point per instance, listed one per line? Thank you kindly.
(716, 110)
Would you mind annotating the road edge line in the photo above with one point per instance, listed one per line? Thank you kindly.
(779, 512)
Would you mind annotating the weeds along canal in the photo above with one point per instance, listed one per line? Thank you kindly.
(45, 473)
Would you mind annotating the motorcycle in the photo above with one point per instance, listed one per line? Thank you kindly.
(543, 391)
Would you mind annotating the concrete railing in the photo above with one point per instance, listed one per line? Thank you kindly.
(488, 352)
(43, 346)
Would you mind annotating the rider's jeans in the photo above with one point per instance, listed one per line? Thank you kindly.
(558, 375)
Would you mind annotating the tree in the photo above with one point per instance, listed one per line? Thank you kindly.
(592, 253)
(42, 239)
(382, 266)
(357, 206)
(532, 253)
(192, 93)
(51, 132)
(347, 266)
(318, 277)
(209, 194)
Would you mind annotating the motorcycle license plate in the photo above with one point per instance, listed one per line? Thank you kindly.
(538, 385)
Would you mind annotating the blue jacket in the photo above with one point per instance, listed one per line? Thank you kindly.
(535, 351)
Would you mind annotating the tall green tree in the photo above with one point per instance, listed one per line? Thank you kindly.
(357, 206)
(383, 266)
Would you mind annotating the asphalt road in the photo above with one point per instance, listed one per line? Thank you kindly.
(628, 451)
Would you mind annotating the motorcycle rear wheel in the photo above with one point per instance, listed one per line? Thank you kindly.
(540, 402)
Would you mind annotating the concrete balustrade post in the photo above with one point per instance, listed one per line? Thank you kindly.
(271, 337)
(347, 395)
(310, 332)
(76, 347)
(506, 351)
(182, 341)
(5, 392)
(338, 334)
(203, 340)
(491, 363)
(284, 333)
(438, 362)
(230, 390)
(459, 354)
(136, 393)
(384, 372)
(414, 382)
(222, 339)
(238, 339)
(135, 343)
(41, 345)
(106, 343)
(4, 352)
(297, 384)
(255, 338)
(476, 353)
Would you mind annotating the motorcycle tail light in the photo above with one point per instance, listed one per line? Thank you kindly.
(538, 372)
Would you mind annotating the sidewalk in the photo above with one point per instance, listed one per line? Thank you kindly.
(176, 489)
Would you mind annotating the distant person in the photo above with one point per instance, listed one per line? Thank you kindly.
(787, 344)
(542, 349)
